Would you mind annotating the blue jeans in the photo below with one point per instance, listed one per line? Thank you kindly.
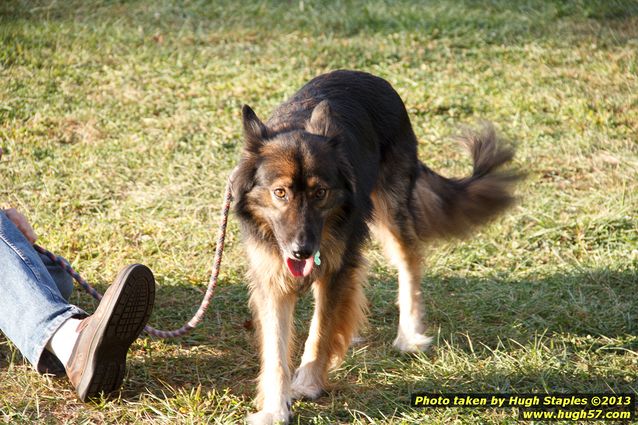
(34, 295)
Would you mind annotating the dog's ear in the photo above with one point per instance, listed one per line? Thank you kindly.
(344, 166)
(322, 121)
(255, 132)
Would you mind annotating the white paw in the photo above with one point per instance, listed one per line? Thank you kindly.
(305, 385)
(308, 392)
(268, 418)
(413, 343)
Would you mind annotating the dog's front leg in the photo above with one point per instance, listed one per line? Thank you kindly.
(273, 312)
(340, 308)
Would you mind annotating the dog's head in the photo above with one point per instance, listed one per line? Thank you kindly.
(289, 184)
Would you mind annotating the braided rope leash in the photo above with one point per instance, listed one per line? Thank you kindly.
(212, 284)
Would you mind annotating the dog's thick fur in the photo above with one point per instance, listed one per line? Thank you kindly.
(336, 159)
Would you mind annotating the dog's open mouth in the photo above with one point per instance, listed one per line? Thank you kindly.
(300, 268)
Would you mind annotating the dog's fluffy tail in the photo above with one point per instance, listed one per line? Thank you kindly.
(446, 207)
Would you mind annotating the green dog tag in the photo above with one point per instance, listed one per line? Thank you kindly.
(318, 258)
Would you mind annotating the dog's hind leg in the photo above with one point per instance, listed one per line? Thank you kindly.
(395, 230)
(340, 310)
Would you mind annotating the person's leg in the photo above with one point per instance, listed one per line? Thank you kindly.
(31, 306)
(33, 314)
(62, 279)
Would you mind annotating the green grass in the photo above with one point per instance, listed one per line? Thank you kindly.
(120, 121)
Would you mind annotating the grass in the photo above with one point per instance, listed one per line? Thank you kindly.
(120, 121)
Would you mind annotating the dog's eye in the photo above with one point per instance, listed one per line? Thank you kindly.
(280, 193)
(320, 193)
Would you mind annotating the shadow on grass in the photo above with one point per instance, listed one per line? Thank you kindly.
(572, 315)
(475, 316)
(164, 373)
(588, 302)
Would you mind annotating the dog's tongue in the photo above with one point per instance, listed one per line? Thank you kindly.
(300, 268)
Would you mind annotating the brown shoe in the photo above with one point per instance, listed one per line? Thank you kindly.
(98, 360)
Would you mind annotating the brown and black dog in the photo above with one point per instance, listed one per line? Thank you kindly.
(337, 159)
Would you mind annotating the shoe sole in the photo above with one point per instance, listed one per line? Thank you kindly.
(130, 308)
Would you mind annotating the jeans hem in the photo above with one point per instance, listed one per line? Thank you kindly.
(47, 364)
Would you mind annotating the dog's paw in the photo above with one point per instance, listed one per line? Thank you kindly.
(268, 418)
(413, 343)
(305, 385)
(306, 392)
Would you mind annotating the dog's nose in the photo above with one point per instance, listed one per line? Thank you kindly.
(302, 253)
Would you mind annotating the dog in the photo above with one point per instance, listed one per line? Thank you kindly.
(335, 161)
